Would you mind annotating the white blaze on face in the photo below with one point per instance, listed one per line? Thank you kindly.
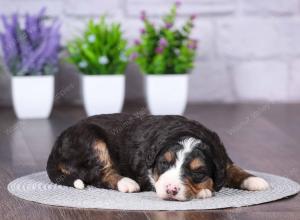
(172, 177)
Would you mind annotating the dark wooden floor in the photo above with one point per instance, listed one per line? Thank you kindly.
(260, 137)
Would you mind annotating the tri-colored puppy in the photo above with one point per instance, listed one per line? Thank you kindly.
(178, 158)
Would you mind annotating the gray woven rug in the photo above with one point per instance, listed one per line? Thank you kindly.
(38, 188)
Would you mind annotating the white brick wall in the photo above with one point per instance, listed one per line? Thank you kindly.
(199, 7)
(55, 7)
(258, 38)
(260, 81)
(270, 7)
(211, 82)
(249, 50)
(204, 32)
(294, 83)
(91, 7)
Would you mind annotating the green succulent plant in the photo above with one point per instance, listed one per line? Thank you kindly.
(101, 50)
(166, 49)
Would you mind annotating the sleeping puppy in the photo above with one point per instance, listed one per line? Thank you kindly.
(176, 157)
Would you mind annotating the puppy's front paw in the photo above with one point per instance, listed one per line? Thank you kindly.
(254, 183)
(204, 193)
(128, 185)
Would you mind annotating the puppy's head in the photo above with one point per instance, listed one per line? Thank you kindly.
(185, 170)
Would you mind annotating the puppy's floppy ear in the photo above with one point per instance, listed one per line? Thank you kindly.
(151, 154)
(219, 159)
(150, 157)
(219, 174)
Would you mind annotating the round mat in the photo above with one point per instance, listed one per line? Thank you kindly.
(38, 188)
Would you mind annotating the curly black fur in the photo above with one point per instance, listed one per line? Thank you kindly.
(134, 143)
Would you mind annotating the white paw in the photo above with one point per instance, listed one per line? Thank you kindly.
(204, 193)
(78, 184)
(128, 185)
(254, 183)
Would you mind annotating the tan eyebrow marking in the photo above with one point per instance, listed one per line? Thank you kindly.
(169, 156)
(195, 164)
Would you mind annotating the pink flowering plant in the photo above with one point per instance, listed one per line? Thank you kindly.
(166, 49)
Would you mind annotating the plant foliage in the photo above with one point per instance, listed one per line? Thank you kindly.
(32, 50)
(101, 49)
(165, 50)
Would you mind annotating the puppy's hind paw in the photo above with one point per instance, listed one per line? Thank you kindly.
(79, 184)
(254, 183)
(128, 185)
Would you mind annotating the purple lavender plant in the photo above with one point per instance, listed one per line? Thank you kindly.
(32, 50)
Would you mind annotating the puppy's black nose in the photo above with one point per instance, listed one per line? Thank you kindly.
(172, 190)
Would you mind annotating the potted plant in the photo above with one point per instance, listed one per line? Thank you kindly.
(166, 55)
(31, 56)
(100, 55)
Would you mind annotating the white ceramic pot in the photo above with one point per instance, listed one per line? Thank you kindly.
(166, 94)
(103, 94)
(32, 96)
